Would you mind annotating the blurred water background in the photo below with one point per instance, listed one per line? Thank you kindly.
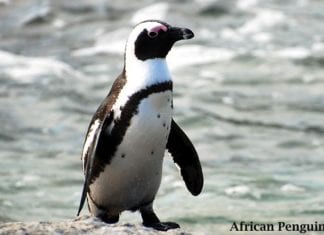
(249, 91)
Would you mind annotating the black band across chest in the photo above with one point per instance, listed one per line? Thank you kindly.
(108, 142)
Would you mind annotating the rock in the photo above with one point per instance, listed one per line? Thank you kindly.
(81, 225)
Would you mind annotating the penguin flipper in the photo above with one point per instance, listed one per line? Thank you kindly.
(95, 134)
(185, 156)
(100, 121)
(88, 159)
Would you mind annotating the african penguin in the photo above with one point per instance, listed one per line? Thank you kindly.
(130, 131)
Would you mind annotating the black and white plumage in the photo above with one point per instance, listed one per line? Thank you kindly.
(130, 131)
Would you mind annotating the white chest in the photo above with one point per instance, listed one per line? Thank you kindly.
(150, 127)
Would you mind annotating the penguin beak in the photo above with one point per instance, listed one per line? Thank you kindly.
(176, 34)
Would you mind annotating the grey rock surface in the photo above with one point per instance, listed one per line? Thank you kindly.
(81, 225)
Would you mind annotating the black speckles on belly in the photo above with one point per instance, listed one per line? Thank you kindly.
(164, 124)
(158, 115)
(123, 155)
(152, 152)
(109, 141)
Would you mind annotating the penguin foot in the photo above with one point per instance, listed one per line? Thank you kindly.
(109, 219)
(151, 220)
(162, 226)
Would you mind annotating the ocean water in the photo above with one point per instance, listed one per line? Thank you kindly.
(249, 91)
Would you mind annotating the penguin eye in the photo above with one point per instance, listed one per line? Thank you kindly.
(156, 31)
(153, 34)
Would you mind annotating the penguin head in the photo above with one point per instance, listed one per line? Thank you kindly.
(153, 39)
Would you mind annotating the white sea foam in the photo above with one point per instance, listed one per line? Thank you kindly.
(28, 69)
(262, 37)
(296, 53)
(28, 180)
(187, 55)
(246, 4)
(291, 188)
(257, 28)
(106, 43)
(228, 100)
(239, 190)
(293, 53)
(231, 34)
(59, 23)
(263, 20)
(116, 47)
(243, 190)
(318, 47)
(236, 36)
(157, 11)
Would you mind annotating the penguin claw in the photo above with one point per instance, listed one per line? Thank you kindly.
(163, 226)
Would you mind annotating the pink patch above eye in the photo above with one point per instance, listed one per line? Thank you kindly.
(158, 28)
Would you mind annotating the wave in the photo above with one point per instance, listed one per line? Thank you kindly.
(314, 129)
(27, 69)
